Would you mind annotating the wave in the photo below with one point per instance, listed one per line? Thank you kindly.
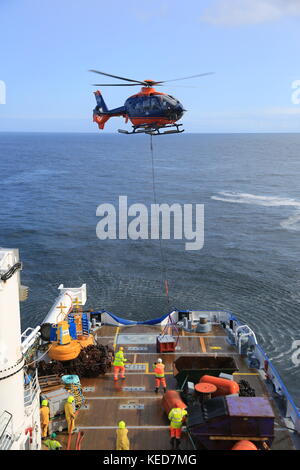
(291, 223)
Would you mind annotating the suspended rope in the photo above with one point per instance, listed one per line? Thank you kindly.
(163, 264)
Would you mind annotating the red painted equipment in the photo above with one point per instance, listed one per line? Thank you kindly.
(171, 399)
(224, 386)
(167, 342)
(244, 445)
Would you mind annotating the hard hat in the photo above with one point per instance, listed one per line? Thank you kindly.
(121, 348)
(159, 360)
(45, 403)
(122, 425)
(53, 435)
(70, 399)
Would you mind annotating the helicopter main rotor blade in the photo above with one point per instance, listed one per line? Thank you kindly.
(116, 84)
(185, 78)
(116, 76)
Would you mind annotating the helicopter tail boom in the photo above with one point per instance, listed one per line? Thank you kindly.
(101, 112)
(101, 105)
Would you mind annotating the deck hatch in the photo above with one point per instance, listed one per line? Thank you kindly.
(133, 389)
(132, 406)
(136, 339)
(135, 366)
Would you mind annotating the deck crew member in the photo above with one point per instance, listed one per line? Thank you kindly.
(45, 416)
(70, 414)
(176, 417)
(159, 369)
(122, 438)
(52, 443)
(119, 364)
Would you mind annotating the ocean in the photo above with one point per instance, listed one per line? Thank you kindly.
(52, 184)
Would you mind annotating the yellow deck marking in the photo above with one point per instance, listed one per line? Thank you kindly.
(215, 347)
(115, 338)
(202, 343)
(245, 373)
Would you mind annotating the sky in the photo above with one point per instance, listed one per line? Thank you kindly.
(48, 46)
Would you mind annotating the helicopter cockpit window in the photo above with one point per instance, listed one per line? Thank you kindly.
(168, 103)
(154, 104)
(138, 105)
(171, 100)
(146, 104)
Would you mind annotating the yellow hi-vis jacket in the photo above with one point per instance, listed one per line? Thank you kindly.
(119, 359)
(122, 439)
(159, 370)
(176, 416)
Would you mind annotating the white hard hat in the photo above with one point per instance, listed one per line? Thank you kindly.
(159, 360)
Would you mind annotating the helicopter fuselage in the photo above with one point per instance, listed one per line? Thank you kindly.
(148, 107)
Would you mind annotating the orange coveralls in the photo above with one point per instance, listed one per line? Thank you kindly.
(159, 370)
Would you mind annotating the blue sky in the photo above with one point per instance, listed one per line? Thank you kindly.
(48, 46)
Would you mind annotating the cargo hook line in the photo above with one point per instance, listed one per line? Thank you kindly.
(163, 263)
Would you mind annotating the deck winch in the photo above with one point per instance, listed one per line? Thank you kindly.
(204, 325)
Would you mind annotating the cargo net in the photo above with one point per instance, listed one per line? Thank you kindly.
(245, 389)
(76, 391)
(91, 362)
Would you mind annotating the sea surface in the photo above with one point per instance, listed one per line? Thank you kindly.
(52, 184)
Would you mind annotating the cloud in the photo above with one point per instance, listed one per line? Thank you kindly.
(145, 14)
(245, 12)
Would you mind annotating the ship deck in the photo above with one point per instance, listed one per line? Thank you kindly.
(133, 399)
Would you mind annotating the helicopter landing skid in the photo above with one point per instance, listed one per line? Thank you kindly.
(153, 130)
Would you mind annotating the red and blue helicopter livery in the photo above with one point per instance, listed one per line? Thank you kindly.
(149, 110)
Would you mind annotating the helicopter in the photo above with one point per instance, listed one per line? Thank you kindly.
(149, 111)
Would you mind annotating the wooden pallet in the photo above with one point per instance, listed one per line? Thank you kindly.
(50, 382)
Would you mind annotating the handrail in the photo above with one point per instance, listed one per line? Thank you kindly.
(6, 437)
(284, 390)
(28, 339)
(31, 390)
(295, 413)
(239, 334)
(250, 332)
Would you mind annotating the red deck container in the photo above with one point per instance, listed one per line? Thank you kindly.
(165, 343)
(224, 386)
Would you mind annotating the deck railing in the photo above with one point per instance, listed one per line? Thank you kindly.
(291, 411)
(6, 435)
(28, 338)
(31, 390)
